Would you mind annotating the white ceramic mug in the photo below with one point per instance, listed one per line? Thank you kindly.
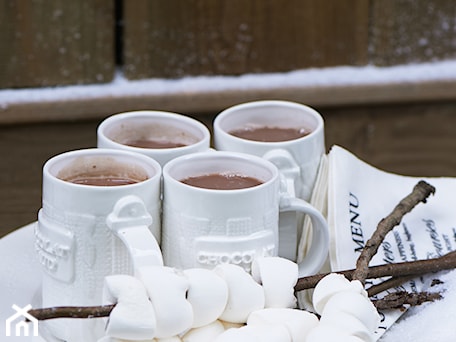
(115, 132)
(298, 159)
(204, 227)
(86, 232)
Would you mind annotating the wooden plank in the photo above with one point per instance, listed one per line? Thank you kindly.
(26, 148)
(406, 31)
(56, 42)
(173, 38)
(411, 139)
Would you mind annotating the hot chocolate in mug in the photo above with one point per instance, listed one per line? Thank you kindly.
(223, 207)
(100, 215)
(157, 134)
(290, 135)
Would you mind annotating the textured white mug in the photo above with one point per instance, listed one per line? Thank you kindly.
(86, 232)
(115, 131)
(298, 159)
(204, 227)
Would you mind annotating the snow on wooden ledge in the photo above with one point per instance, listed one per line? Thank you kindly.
(316, 87)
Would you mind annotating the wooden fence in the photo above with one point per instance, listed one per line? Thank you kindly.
(59, 42)
(403, 127)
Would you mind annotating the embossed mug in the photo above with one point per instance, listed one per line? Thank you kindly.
(297, 157)
(99, 216)
(203, 227)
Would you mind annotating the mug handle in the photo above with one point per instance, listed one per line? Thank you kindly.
(319, 247)
(130, 221)
(290, 171)
(288, 222)
(287, 166)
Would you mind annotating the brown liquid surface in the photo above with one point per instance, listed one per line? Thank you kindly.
(102, 181)
(151, 143)
(219, 181)
(270, 134)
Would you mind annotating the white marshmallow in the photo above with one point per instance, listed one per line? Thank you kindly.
(269, 333)
(169, 339)
(330, 285)
(325, 333)
(259, 333)
(208, 333)
(343, 321)
(237, 335)
(278, 276)
(244, 294)
(355, 304)
(133, 317)
(229, 325)
(167, 290)
(112, 339)
(298, 322)
(208, 295)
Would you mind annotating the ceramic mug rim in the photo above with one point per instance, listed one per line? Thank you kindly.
(225, 155)
(145, 163)
(150, 115)
(306, 110)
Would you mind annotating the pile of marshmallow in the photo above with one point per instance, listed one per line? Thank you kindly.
(230, 304)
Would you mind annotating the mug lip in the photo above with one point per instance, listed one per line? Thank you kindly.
(151, 114)
(217, 124)
(145, 160)
(198, 156)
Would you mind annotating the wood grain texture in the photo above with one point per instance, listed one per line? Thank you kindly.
(407, 31)
(412, 139)
(25, 149)
(56, 42)
(170, 39)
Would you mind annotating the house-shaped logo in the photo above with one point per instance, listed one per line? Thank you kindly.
(21, 327)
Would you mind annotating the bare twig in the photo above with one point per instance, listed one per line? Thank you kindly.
(420, 193)
(397, 300)
(388, 284)
(415, 268)
(419, 267)
(72, 312)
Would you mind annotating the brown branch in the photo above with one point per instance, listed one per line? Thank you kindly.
(419, 267)
(420, 193)
(388, 284)
(72, 312)
(415, 268)
(397, 300)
